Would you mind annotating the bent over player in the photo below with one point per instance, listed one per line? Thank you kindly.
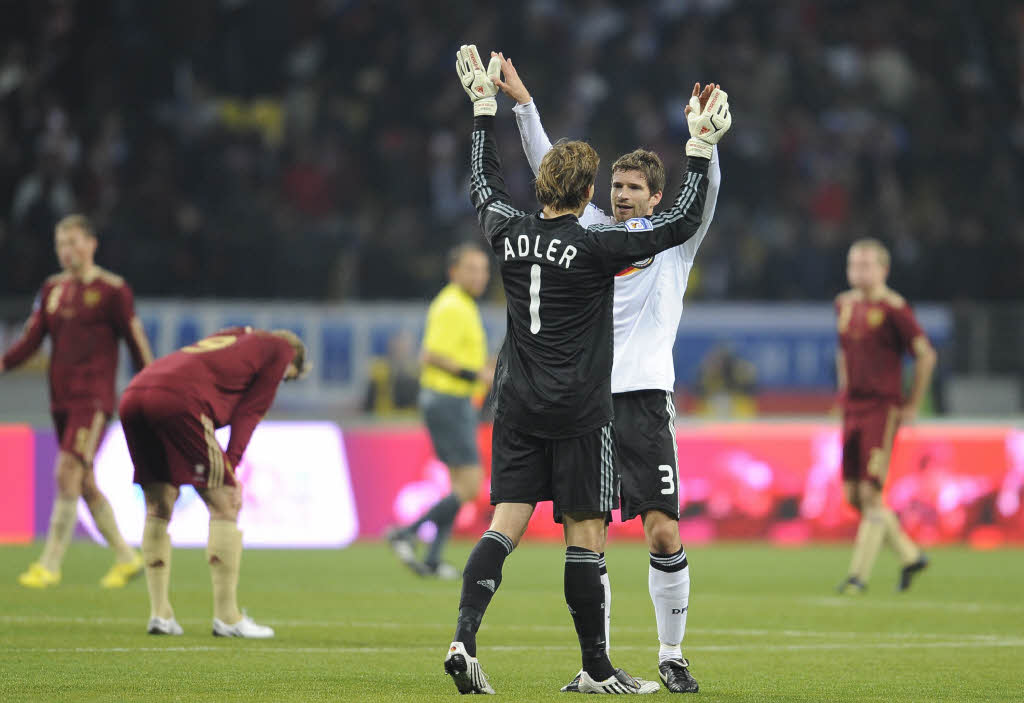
(85, 310)
(169, 413)
(876, 328)
(648, 305)
(553, 436)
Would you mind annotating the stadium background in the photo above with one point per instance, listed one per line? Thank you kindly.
(303, 164)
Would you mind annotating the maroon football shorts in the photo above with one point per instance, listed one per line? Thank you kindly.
(171, 440)
(868, 437)
(79, 431)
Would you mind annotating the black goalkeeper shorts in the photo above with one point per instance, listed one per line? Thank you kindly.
(576, 473)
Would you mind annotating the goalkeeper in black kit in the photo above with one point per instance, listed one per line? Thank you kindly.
(553, 436)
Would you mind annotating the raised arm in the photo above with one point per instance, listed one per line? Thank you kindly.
(31, 337)
(535, 140)
(689, 250)
(709, 118)
(531, 131)
(486, 186)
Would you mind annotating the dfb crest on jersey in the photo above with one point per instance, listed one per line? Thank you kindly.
(635, 267)
(639, 224)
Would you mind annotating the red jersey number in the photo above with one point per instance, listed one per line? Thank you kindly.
(211, 344)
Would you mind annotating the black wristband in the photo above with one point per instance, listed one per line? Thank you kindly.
(466, 375)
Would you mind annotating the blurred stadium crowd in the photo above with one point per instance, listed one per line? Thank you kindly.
(317, 148)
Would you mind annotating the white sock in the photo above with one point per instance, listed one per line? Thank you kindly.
(607, 604)
(668, 580)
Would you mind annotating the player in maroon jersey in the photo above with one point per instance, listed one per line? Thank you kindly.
(876, 329)
(169, 413)
(85, 310)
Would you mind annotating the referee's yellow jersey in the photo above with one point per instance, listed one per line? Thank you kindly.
(453, 330)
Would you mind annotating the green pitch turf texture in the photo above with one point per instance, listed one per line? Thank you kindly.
(765, 625)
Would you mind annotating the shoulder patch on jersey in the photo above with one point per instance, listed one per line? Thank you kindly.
(111, 279)
(894, 299)
(638, 224)
(848, 296)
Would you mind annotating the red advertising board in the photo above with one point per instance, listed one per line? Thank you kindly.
(17, 499)
(762, 481)
(778, 482)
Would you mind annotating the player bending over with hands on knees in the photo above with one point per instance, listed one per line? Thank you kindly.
(169, 414)
(553, 436)
(647, 308)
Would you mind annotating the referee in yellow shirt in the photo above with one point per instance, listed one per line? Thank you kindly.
(455, 366)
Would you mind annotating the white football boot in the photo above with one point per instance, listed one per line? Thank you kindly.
(465, 670)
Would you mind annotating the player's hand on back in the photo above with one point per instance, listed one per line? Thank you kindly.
(512, 85)
(708, 117)
(476, 81)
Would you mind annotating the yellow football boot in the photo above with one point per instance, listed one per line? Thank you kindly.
(121, 574)
(38, 576)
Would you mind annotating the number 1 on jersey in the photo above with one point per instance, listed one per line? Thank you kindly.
(535, 299)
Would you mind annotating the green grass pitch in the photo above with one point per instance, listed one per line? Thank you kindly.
(352, 625)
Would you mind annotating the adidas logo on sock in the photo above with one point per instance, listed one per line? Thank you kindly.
(488, 584)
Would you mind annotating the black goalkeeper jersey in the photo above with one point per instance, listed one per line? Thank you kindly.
(553, 376)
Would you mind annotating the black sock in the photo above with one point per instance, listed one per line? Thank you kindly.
(584, 595)
(480, 579)
(443, 516)
(437, 513)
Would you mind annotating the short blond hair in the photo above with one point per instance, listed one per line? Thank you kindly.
(297, 346)
(880, 249)
(566, 174)
(77, 221)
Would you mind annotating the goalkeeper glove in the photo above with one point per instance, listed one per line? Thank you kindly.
(708, 125)
(477, 83)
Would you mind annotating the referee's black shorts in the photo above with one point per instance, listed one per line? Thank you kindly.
(645, 438)
(576, 473)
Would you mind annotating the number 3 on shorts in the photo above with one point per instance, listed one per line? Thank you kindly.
(669, 479)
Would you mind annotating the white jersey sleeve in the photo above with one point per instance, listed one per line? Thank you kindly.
(536, 143)
(688, 249)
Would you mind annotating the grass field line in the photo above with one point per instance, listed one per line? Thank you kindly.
(968, 607)
(1000, 642)
(731, 632)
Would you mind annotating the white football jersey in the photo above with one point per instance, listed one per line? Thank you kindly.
(648, 294)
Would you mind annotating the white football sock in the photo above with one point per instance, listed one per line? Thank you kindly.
(607, 604)
(668, 580)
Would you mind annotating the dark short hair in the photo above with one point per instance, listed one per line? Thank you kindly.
(646, 162)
